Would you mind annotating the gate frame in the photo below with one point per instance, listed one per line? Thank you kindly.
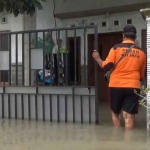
(5, 88)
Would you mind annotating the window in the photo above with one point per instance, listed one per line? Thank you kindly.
(4, 77)
(4, 39)
(4, 46)
(103, 24)
(129, 21)
(116, 23)
(3, 20)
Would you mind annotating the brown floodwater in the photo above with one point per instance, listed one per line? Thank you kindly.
(25, 135)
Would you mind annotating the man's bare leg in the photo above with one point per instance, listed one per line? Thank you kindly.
(116, 119)
(129, 120)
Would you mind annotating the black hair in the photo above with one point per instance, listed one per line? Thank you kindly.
(130, 35)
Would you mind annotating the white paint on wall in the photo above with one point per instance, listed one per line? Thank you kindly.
(45, 20)
(45, 17)
(13, 24)
(136, 17)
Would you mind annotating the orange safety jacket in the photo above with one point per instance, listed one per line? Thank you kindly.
(130, 70)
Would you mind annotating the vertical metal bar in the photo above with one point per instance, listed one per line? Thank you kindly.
(36, 40)
(10, 59)
(16, 59)
(58, 58)
(22, 106)
(66, 109)
(36, 80)
(43, 105)
(29, 58)
(73, 104)
(58, 115)
(85, 59)
(89, 98)
(1, 48)
(3, 107)
(66, 60)
(29, 108)
(44, 58)
(81, 109)
(75, 57)
(51, 56)
(15, 106)
(23, 69)
(96, 79)
(36, 107)
(9, 108)
(3, 75)
(3, 103)
(51, 111)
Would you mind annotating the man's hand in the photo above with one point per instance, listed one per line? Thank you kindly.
(96, 55)
(97, 58)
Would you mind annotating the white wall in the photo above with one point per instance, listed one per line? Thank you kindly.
(13, 24)
(45, 17)
(138, 22)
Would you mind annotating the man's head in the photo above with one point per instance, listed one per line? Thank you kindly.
(129, 32)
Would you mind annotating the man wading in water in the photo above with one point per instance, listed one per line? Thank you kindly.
(125, 78)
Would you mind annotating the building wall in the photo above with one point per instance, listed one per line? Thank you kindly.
(45, 17)
(13, 24)
(137, 20)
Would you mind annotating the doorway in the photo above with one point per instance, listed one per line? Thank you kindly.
(105, 43)
(75, 64)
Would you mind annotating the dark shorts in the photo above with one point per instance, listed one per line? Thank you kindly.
(124, 99)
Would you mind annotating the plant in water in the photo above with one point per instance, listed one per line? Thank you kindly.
(143, 96)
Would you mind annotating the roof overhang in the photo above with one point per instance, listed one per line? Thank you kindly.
(102, 11)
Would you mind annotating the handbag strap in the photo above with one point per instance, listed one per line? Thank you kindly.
(126, 53)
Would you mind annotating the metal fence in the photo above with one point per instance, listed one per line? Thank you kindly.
(44, 75)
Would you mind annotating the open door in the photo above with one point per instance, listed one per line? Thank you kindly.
(105, 42)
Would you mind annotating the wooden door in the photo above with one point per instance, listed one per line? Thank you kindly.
(105, 42)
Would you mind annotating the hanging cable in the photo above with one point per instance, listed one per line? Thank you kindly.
(55, 21)
(54, 13)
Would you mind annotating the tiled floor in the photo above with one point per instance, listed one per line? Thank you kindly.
(24, 135)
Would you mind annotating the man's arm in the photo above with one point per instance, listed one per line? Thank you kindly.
(100, 62)
(110, 60)
(108, 63)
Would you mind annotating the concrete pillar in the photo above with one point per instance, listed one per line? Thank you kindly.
(29, 24)
(146, 16)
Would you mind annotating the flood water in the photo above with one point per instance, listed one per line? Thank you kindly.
(25, 135)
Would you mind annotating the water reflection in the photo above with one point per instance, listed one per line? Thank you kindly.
(24, 135)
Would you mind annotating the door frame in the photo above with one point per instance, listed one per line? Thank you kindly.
(143, 40)
(78, 39)
(90, 45)
(144, 47)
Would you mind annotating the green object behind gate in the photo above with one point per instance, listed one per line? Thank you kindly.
(48, 46)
